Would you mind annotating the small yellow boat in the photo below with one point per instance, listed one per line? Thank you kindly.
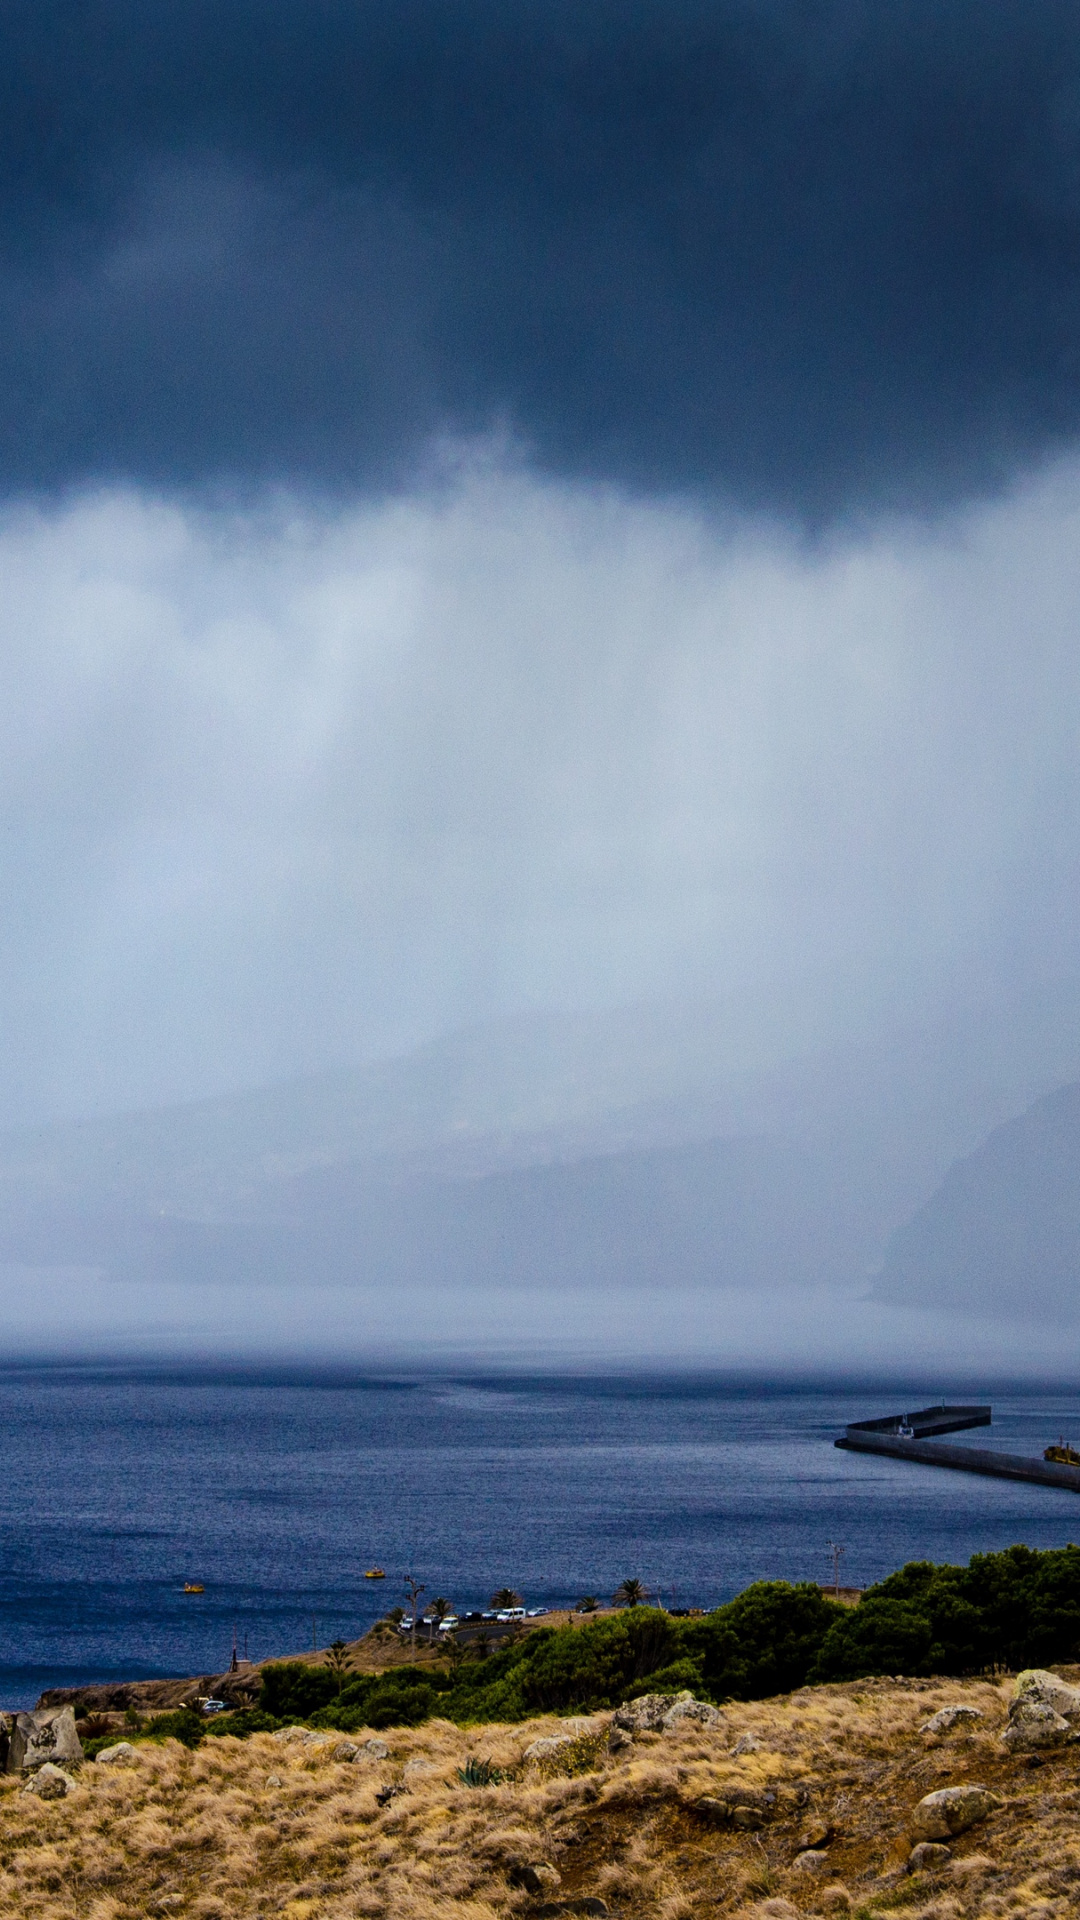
(193, 1586)
(374, 1573)
(1062, 1455)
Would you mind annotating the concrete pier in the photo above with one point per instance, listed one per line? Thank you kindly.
(885, 1436)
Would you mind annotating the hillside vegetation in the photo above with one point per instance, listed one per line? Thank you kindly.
(1014, 1609)
(804, 1804)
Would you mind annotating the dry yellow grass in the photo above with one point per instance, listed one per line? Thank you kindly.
(261, 1827)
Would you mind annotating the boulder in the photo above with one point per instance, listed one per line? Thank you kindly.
(716, 1812)
(374, 1750)
(346, 1750)
(619, 1741)
(552, 1743)
(418, 1770)
(646, 1714)
(311, 1739)
(273, 1779)
(1036, 1687)
(810, 1860)
(816, 1833)
(121, 1755)
(749, 1819)
(928, 1855)
(744, 1807)
(49, 1782)
(286, 1735)
(1033, 1724)
(664, 1713)
(947, 1718)
(47, 1734)
(746, 1744)
(951, 1810)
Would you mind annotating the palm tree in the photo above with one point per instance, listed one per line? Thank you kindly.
(630, 1594)
(339, 1660)
(439, 1609)
(482, 1645)
(590, 1604)
(455, 1653)
(506, 1597)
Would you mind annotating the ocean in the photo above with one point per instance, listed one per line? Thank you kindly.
(276, 1491)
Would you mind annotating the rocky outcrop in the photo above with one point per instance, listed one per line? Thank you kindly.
(1036, 1687)
(665, 1713)
(1043, 1712)
(121, 1755)
(46, 1735)
(952, 1810)
(1032, 1725)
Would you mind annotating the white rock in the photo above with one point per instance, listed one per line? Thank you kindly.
(810, 1860)
(346, 1750)
(285, 1735)
(312, 1739)
(375, 1750)
(746, 1744)
(273, 1779)
(122, 1755)
(49, 1782)
(948, 1717)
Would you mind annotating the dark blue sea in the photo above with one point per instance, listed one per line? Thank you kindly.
(276, 1492)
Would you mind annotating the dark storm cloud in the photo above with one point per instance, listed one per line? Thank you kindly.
(807, 255)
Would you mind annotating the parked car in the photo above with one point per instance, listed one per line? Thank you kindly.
(215, 1706)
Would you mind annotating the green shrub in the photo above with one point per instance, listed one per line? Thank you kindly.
(763, 1642)
(184, 1724)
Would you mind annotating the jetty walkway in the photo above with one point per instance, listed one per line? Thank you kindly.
(906, 1436)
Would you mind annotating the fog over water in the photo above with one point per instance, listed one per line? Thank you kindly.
(292, 787)
(287, 788)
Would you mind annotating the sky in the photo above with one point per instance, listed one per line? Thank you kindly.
(528, 506)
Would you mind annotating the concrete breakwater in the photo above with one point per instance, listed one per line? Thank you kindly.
(905, 1437)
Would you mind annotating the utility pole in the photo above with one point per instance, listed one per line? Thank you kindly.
(414, 1589)
(837, 1554)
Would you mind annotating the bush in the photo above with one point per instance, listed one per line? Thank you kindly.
(763, 1642)
(184, 1724)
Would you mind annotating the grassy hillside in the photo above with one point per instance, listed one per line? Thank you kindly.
(242, 1828)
